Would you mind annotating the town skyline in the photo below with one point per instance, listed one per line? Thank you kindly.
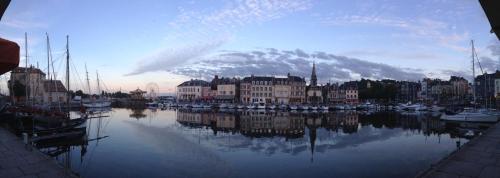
(177, 41)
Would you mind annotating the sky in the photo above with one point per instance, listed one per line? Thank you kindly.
(133, 43)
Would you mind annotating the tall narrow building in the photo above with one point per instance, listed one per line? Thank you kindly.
(314, 79)
(314, 92)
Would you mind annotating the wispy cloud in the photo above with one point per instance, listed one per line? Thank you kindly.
(419, 28)
(202, 32)
(167, 59)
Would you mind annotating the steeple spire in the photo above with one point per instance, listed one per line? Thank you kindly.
(314, 79)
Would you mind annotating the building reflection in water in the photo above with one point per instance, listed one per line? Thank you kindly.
(300, 125)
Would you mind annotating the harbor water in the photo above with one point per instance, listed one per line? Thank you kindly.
(252, 143)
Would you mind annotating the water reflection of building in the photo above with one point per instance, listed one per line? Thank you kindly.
(225, 122)
(347, 121)
(249, 123)
(261, 124)
(137, 113)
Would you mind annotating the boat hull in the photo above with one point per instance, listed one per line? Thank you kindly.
(97, 105)
(469, 117)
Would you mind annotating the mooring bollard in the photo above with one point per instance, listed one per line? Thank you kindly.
(25, 138)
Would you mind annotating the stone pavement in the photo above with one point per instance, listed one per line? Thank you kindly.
(18, 160)
(480, 157)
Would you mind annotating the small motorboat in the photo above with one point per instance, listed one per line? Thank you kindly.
(207, 106)
(250, 106)
(240, 106)
(261, 106)
(293, 107)
(324, 107)
(272, 107)
(222, 105)
(197, 106)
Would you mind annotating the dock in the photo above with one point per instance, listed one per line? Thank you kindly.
(20, 160)
(480, 158)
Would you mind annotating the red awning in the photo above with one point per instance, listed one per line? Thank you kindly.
(9, 55)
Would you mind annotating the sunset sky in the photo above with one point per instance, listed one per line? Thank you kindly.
(132, 43)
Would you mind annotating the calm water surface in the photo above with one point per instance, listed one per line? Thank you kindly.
(179, 143)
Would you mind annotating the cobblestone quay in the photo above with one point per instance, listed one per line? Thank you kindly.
(18, 160)
(478, 158)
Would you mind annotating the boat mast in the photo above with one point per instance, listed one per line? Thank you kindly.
(26, 75)
(48, 57)
(88, 81)
(98, 86)
(68, 94)
(473, 74)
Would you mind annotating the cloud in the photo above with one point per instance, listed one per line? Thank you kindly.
(491, 63)
(167, 59)
(271, 61)
(420, 28)
(202, 32)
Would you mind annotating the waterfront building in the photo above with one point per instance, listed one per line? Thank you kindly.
(262, 89)
(137, 94)
(245, 90)
(425, 91)
(208, 94)
(297, 89)
(408, 91)
(484, 87)
(346, 93)
(314, 92)
(227, 89)
(349, 92)
(272, 90)
(460, 89)
(282, 90)
(35, 87)
(497, 89)
(191, 91)
(333, 95)
(54, 92)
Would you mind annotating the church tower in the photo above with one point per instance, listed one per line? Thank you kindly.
(314, 79)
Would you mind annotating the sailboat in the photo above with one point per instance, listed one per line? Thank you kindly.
(100, 102)
(470, 115)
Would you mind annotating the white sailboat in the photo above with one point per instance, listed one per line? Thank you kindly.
(471, 115)
(100, 102)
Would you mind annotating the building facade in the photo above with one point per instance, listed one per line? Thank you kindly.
(282, 90)
(262, 89)
(314, 92)
(484, 88)
(191, 91)
(36, 88)
(227, 89)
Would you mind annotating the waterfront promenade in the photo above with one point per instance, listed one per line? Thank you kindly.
(478, 158)
(18, 160)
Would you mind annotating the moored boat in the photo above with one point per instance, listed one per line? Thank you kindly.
(469, 116)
